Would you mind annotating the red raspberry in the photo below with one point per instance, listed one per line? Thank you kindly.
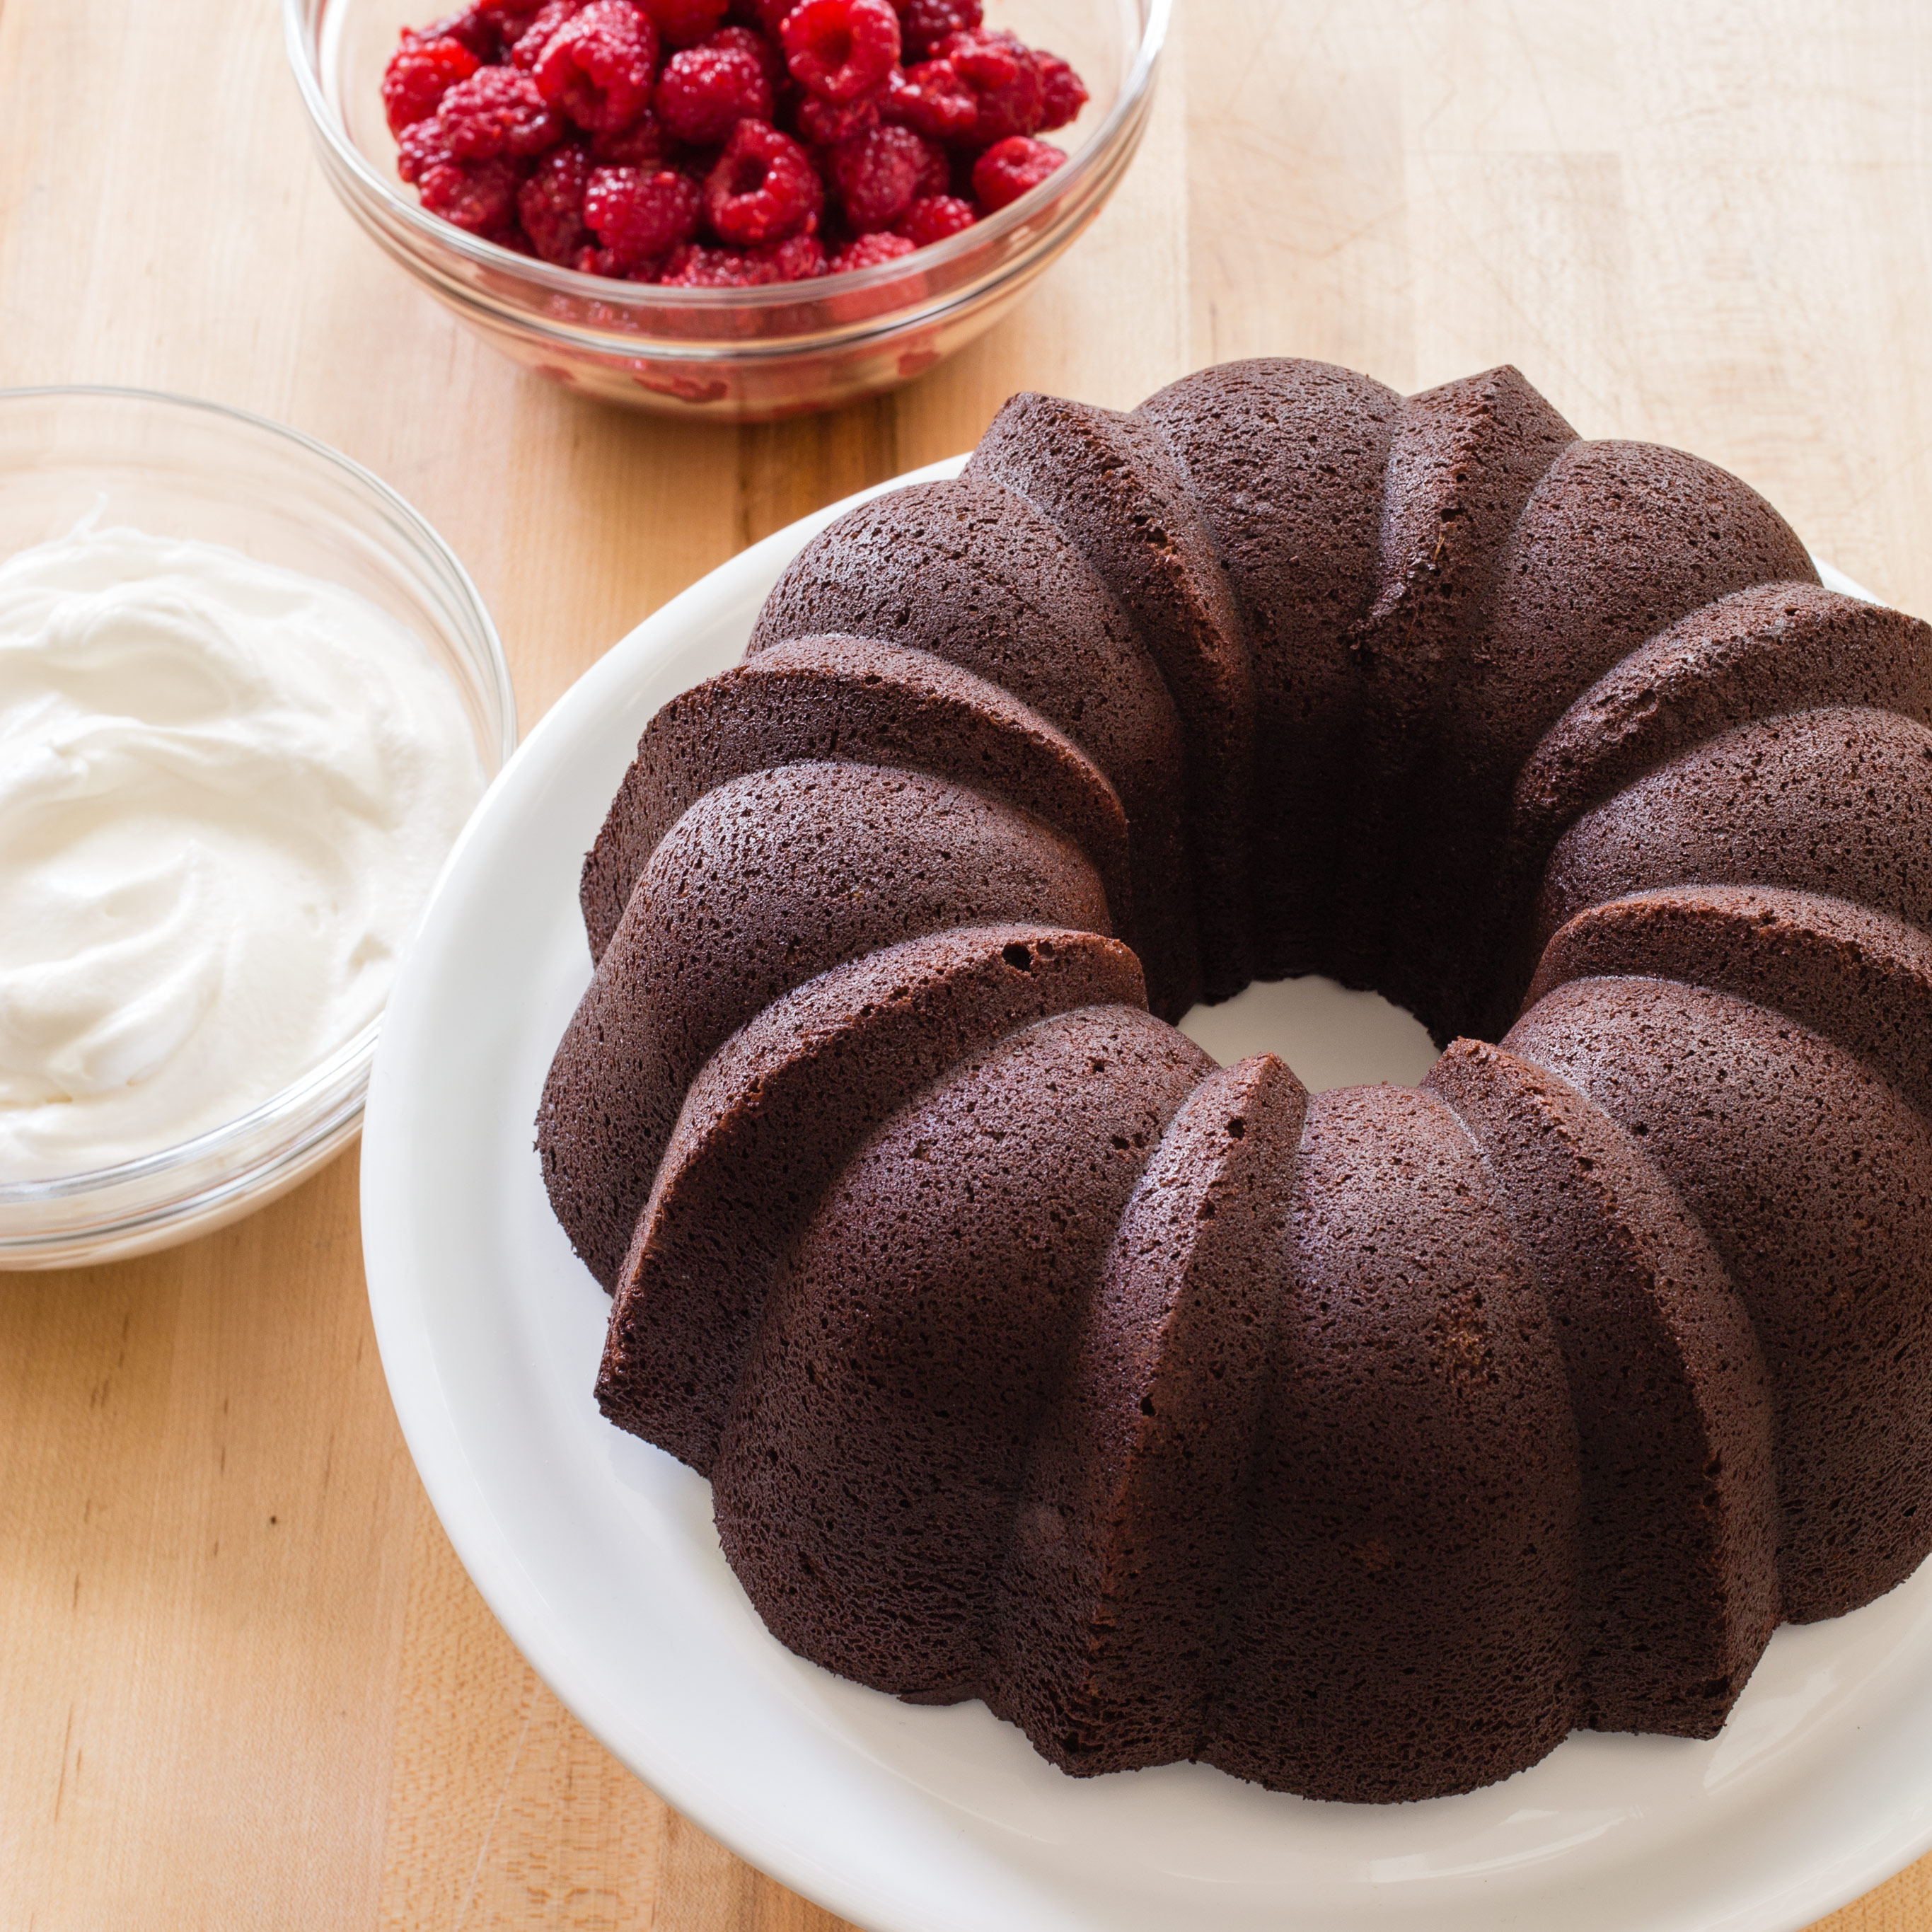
(705, 91)
(825, 123)
(878, 175)
(638, 217)
(925, 23)
(597, 67)
(509, 17)
(641, 145)
(694, 268)
(420, 73)
(1008, 168)
(683, 23)
(800, 259)
(496, 111)
(767, 15)
(541, 29)
(841, 48)
(869, 251)
(1003, 73)
(550, 203)
(764, 188)
(771, 62)
(933, 217)
(1063, 92)
(476, 28)
(932, 98)
(420, 148)
(480, 196)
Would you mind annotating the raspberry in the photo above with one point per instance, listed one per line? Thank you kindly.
(767, 15)
(420, 148)
(878, 174)
(764, 188)
(800, 259)
(841, 48)
(869, 251)
(683, 23)
(694, 268)
(1063, 93)
(509, 17)
(1010, 168)
(535, 34)
(705, 91)
(420, 73)
(480, 196)
(933, 217)
(641, 145)
(496, 111)
(925, 23)
(597, 67)
(550, 204)
(638, 216)
(825, 123)
(1004, 74)
(476, 29)
(771, 62)
(932, 98)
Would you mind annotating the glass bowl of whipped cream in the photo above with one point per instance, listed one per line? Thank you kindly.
(248, 699)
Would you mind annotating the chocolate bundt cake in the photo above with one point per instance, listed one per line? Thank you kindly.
(1362, 1444)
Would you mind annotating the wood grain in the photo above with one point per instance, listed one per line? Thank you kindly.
(244, 1682)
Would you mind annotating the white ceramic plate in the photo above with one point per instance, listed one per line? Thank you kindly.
(598, 1552)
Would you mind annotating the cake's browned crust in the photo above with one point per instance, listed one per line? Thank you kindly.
(1828, 801)
(1859, 978)
(1618, 541)
(1465, 460)
(1113, 486)
(1677, 1576)
(866, 1483)
(1757, 653)
(1285, 461)
(1403, 1618)
(1361, 1445)
(973, 573)
(1778, 647)
(1129, 1534)
(867, 703)
(771, 1119)
(767, 881)
(1812, 1175)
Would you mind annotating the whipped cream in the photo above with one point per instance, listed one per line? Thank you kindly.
(225, 790)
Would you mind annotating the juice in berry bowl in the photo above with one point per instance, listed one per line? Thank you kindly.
(615, 213)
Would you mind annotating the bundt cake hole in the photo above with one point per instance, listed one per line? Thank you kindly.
(1330, 1035)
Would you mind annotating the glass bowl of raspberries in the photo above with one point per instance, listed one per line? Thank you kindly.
(738, 208)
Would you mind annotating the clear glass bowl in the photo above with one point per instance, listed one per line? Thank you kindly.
(179, 468)
(744, 354)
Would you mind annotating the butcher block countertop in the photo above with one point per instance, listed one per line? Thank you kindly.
(244, 1682)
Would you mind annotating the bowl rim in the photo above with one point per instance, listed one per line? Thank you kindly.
(432, 232)
(341, 1063)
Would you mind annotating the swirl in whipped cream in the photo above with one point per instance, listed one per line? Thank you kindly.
(225, 790)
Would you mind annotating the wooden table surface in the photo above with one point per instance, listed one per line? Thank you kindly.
(243, 1681)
